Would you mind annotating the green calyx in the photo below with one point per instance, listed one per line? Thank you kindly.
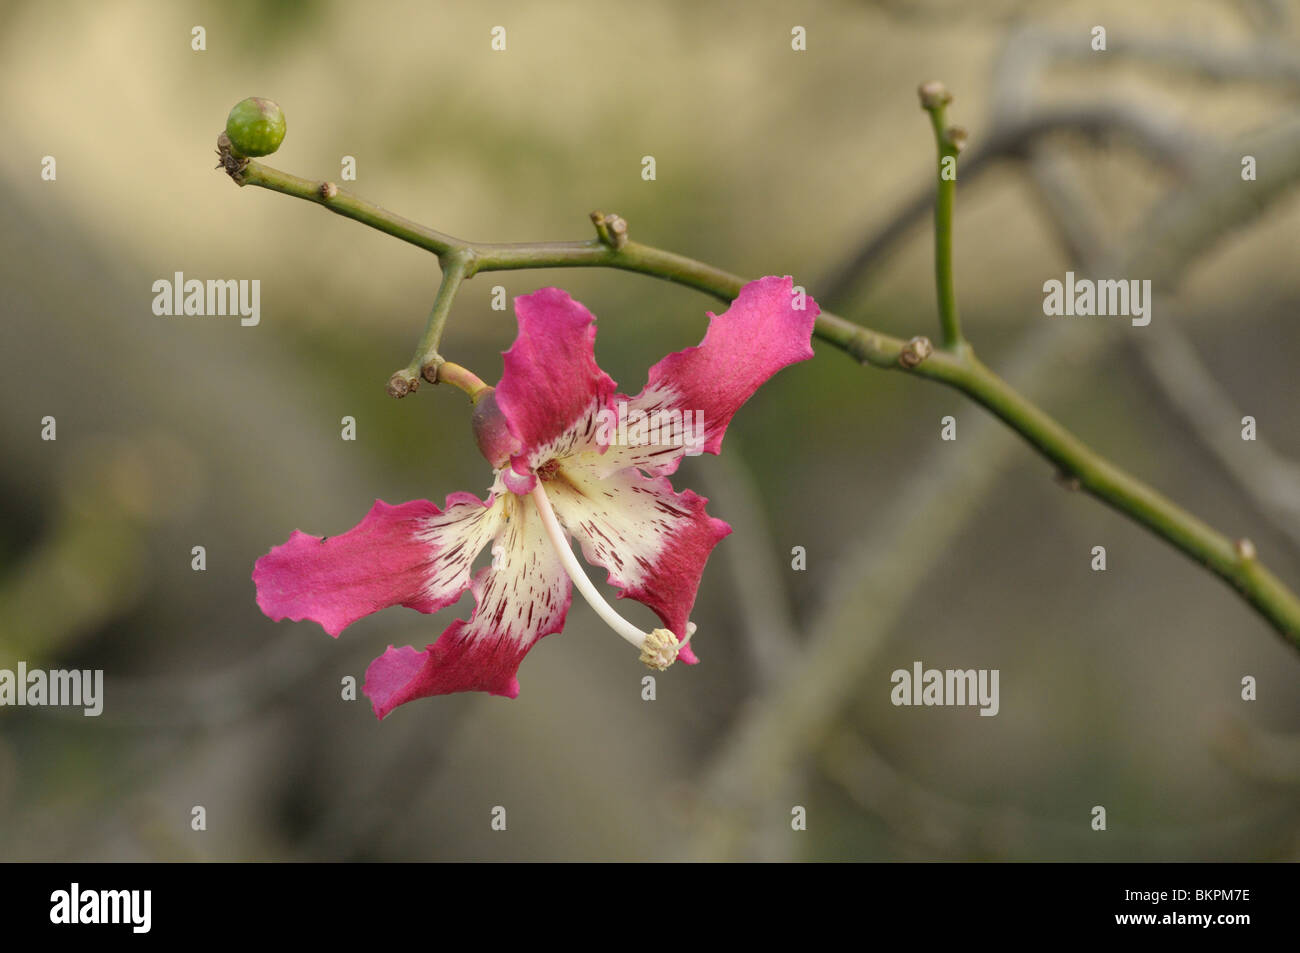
(255, 127)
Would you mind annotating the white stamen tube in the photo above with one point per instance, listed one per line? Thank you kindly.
(658, 648)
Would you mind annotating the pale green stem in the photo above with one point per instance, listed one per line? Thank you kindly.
(427, 359)
(948, 144)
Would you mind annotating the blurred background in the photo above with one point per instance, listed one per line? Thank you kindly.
(1119, 688)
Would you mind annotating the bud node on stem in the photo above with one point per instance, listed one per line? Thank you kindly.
(1068, 480)
(915, 351)
(401, 384)
(933, 94)
(611, 229)
(229, 160)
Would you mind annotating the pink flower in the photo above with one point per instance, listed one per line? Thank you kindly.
(571, 458)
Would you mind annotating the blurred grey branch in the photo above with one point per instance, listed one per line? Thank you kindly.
(778, 731)
(1264, 756)
(1269, 481)
(754, 570)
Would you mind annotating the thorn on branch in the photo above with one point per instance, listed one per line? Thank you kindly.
(611, 229)
(915, 351)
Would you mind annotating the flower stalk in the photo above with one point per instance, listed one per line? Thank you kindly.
(459, 377)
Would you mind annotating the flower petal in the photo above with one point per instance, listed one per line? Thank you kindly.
(523, 599)
(758, 335)
(653, 541)
(551, 381)
(413, 555)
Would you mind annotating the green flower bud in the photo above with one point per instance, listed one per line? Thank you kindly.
(255, 127)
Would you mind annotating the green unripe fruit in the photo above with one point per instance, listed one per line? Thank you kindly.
(255, 127)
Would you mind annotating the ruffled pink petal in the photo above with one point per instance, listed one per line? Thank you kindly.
(758, 335)
(551, 381)
(412, 555)
(653, 541)
(523, 599)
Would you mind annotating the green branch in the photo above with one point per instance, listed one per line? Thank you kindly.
(425, 363)
(955, 364)
(949, 142)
